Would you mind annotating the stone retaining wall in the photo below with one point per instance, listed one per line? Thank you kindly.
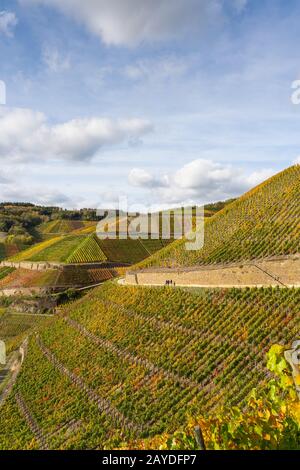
(281, 271)
(23, 291)
(32, 266)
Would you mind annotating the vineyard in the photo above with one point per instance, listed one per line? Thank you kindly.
(68, 249)
(88, 251)
(35, 250)
(270, 419)
(59, 251)
(8, 250)
(80, 277)
(26, 278)
(262, 223)
(64, 226)
(88, 248)
(130, 251)
(5, 272)
(125, 363)
(76, 276)
(13, 328)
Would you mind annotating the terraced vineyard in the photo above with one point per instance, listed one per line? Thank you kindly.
(264, 222)
(87, 248)
(125, 362)
(63, 226)
(35, 250)
(5, 272)
(68, 249)
(71, 277)
(14, 327)
(88, 251)
(130, 251)
(23, 436)
(80, 277)
(59, 251)
(26, 278)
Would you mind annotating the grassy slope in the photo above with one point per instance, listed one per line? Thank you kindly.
(35, 250)
(59, 251)
(264, 222)
(156, 355)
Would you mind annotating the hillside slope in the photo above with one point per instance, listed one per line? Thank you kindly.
(88, 248)
(263, 222)
(8, 249)
(63, 226)
(64, 249)
(127, 362)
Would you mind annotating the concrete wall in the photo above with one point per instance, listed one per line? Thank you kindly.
(269, 272)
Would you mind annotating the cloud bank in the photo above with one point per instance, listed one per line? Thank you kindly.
(199, 181)
(25, 135)
(129, 22)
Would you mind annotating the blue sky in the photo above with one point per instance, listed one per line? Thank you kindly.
(164, 101)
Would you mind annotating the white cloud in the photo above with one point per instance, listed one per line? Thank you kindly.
(142, 178)
(199, 181)
(54, 60)
(163, 68)
(25, 135)
(8, 21)
(202, 173)
(297, 161)
(129, 22)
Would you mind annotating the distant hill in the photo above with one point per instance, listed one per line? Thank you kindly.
(37, 233)
(25, 223)
(263, 222)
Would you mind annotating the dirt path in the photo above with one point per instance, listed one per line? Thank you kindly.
(122, 282)
(281, 271)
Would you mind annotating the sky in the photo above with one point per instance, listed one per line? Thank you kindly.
(162, 102)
